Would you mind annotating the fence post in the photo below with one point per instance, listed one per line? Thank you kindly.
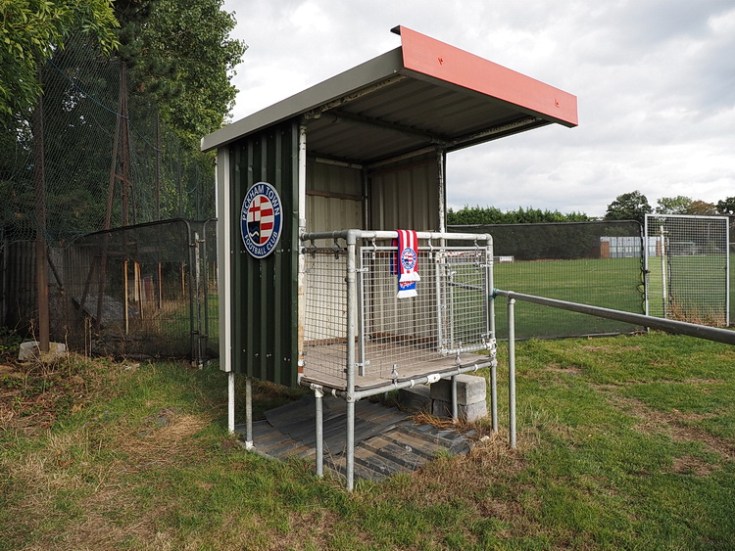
(512, 372)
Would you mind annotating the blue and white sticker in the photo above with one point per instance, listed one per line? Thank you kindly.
(261, 220)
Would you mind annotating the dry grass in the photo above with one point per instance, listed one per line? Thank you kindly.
(158, 472)
(676, 311)
(673, 423)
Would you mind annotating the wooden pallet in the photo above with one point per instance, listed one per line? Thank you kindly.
(387, 440)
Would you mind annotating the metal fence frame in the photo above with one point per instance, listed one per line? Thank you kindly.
(670, 326)
(349, 244)
(693, 256)
(100, 309)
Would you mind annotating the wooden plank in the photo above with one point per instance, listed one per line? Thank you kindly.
(381, 465)
(397, 453)
(386, 439)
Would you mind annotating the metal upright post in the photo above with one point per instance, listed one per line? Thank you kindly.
(512, 372)
(455, 413)
(438, 273)
(351, 306)
(231, 402)
(494, 394)
(318, 395)
(248, 413)
(664, 290)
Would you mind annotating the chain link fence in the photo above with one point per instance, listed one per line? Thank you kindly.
(597, 263)
(94, 154)
(140, 291)
(93, 175)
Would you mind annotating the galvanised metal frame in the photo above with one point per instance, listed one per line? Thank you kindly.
(355, 337)
(670, 326)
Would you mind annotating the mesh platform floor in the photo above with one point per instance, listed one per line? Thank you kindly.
(324, 364)
(387, 440)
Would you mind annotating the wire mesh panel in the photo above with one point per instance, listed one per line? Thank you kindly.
(325, 325)
(597, 263)
(444, 325)
(130, 291)
(687, 272)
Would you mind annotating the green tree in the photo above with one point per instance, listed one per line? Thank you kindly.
(492, 215)
(629, 206)
(182, 57)
(726, 206)
(702, 208)
(674, 205)
(31, 31)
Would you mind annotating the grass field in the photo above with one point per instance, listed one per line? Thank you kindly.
(624, 443)
(611, 283)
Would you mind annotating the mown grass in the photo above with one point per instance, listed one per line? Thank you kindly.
(610, 283)
(624, 443)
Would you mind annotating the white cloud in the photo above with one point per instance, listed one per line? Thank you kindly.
(654, 80)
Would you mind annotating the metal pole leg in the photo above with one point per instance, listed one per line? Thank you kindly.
(318, 395)
(455, 413)
(512, 372)
(231, 402)
(350, 463)
(494, 395)
(248, 413)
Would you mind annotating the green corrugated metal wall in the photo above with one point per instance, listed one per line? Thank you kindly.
(265, 292)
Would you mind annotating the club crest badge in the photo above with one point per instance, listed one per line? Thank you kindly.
(261, 220)
(409, 259)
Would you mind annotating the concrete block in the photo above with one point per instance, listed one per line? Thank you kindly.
(466, 412)
(417, 398)
(29, 351)
(470, 389)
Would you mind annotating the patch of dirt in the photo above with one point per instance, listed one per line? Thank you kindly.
(33, 395)
(673, 423)
(688, 464)
(166, 441)
(567, 370)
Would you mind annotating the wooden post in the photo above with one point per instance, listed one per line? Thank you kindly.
(39, 179)
(125, 296)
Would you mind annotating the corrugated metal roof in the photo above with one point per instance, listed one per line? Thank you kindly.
(421, 95)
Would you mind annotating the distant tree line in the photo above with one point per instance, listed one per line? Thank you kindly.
(492, 215)
(628, 206)
(634, 206)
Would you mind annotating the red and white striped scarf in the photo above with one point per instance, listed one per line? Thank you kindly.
(406, 263)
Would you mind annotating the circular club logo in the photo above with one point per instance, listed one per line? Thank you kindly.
(260, 220)
(409, 258)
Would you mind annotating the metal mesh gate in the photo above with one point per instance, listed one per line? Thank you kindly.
(139, 290)
(395, 338)
(687, 265)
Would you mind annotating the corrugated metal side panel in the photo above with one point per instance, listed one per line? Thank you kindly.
(405, 196)
(333, 203)
(333, 179)
(264, 292)
(333, 197)
(330, 214)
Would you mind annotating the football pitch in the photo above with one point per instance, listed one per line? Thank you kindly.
(611, 283)
(696, 287)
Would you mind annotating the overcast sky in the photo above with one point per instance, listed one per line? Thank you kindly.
(655, 82)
